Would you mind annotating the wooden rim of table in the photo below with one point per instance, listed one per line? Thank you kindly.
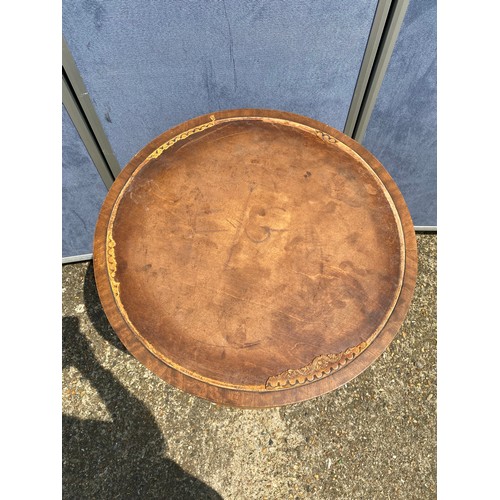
(227, 395)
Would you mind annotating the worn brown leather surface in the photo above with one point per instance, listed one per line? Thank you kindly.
(255, 254)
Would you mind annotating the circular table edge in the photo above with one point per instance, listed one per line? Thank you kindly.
(248, 399)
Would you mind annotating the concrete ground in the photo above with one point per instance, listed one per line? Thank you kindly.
(127, 434)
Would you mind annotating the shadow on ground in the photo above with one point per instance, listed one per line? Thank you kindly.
(95, 311)
(123, 458)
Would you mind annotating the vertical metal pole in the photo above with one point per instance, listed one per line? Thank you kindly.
(387, 42)
(372, 47)
(86, 135)
(75, 82)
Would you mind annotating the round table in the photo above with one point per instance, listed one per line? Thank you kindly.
(255, 258)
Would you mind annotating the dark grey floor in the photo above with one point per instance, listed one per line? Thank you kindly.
(127, 434)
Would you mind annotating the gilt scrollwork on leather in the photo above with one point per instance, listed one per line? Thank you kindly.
(320, 367)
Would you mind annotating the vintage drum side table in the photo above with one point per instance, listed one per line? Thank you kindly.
(255, 258)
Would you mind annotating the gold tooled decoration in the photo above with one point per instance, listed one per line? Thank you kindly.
(325, 137)
(320, 367)
(157, 152)
(110, 245)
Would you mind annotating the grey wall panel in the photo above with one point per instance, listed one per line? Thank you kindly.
(401, 132)
(151, 65)
(82, 192)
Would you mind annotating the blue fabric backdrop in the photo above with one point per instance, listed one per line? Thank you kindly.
(402, 129)
(150, 65)
(82, 194)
